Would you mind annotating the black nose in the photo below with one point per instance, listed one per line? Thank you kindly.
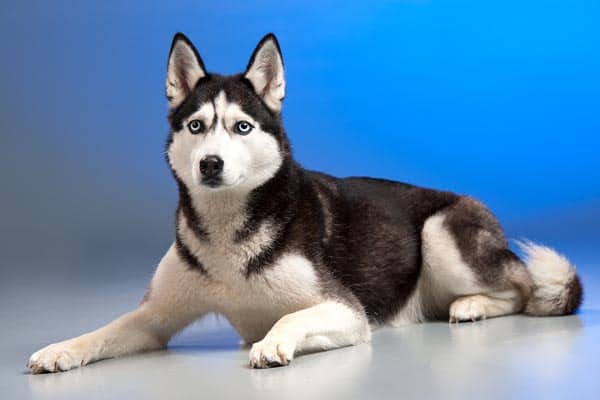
(211, 166)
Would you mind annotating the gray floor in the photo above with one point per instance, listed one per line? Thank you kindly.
(508, 357)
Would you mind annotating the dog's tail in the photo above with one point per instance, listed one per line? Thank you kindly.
(556, 288)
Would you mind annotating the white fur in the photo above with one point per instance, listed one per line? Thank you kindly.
(442, 259)
(447, 286)
(444, 275)
(325, 326)
(551, 272)
(254, 305)
(249, 160)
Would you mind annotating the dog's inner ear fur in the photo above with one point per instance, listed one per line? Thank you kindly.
(265, 72)
(184, 70)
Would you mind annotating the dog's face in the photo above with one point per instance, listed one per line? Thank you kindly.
(226, 131)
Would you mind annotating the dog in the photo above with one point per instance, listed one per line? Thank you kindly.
(300, 261)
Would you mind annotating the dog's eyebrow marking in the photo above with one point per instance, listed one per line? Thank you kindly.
(206, 112)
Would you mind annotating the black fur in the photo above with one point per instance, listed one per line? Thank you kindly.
(193, 218)
(186, 255)
(481, 241)
(575, 298)
(275, 201)
(373, 247)
(377, 246)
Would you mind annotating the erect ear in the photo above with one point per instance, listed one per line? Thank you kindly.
(184, 70)
(265, 72)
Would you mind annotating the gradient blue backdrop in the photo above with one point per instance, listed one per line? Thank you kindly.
(498, 99)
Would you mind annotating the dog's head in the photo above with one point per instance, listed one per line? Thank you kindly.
(226, 131)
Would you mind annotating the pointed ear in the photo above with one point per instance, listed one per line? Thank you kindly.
(265, 72)
(184, 70)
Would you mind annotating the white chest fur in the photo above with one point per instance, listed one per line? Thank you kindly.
(251, 303)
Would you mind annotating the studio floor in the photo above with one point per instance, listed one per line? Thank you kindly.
(510, 357)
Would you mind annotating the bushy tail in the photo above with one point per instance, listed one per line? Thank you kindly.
(556, 288)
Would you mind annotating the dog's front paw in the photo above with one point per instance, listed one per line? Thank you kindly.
(271, 353)
(57, 357)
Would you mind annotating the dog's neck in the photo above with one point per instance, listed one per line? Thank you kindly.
(236, 214)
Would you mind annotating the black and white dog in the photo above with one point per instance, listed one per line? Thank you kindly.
(300, 261)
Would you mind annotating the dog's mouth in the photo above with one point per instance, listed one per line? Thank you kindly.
(218, 183)
(213, 183)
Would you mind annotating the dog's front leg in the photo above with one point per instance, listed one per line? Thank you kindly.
(325, 326)
(175, 299)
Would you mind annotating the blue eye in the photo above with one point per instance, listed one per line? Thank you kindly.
(243, 127)
(196, 126)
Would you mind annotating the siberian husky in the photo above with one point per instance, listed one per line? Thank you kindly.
(300, 261)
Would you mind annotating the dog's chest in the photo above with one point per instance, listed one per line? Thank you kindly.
(287, 284)
(253, 304)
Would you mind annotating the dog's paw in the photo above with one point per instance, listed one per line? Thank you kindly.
(468, 308)
(57, 357)
(271, 353)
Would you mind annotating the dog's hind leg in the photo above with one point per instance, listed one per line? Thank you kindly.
(469, 271)
(481, 306)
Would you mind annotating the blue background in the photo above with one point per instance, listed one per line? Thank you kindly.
(497, 99)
